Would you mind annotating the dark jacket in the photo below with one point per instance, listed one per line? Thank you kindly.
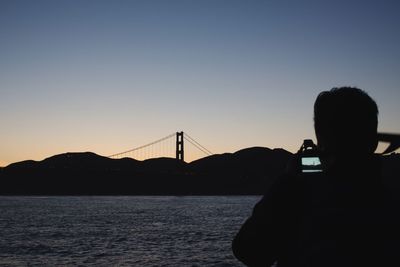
(342, 218)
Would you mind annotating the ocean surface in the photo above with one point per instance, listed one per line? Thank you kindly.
(121, 231)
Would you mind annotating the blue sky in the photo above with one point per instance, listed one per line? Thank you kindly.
(107, 76)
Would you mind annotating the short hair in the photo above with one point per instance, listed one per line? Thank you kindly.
(346, 116)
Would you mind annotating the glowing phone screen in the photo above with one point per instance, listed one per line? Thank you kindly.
(311, 164)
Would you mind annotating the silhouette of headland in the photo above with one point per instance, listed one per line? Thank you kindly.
(246, 172)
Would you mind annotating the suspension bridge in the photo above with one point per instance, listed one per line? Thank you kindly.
(172, 145)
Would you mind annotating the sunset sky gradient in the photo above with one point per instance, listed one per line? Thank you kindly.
(107, 76)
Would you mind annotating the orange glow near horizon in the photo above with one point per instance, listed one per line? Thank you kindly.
(167, 150)
(191, 153)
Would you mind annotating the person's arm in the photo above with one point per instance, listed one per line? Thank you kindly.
(255, 243)
(263, 235)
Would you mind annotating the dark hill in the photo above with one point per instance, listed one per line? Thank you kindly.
(22, 165)
(248, 171)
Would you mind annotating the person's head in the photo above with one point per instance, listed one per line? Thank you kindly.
(345, 122)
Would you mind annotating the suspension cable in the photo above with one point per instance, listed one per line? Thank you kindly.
(140, 147)
(198, 147)
(208, 151)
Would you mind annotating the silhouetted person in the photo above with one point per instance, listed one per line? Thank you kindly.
(342, 216)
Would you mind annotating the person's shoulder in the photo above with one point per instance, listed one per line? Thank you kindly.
(287, 180)
(286, 185)
(295, 185)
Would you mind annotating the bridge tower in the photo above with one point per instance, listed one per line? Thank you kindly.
(179, 146)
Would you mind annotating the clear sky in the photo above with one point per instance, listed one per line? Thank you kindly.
(107, 76)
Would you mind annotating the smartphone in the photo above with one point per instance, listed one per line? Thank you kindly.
(309, 157)
(310, 164)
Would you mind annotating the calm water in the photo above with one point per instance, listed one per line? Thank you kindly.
(120, 231)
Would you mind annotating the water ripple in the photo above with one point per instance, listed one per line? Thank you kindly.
(120, 231)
